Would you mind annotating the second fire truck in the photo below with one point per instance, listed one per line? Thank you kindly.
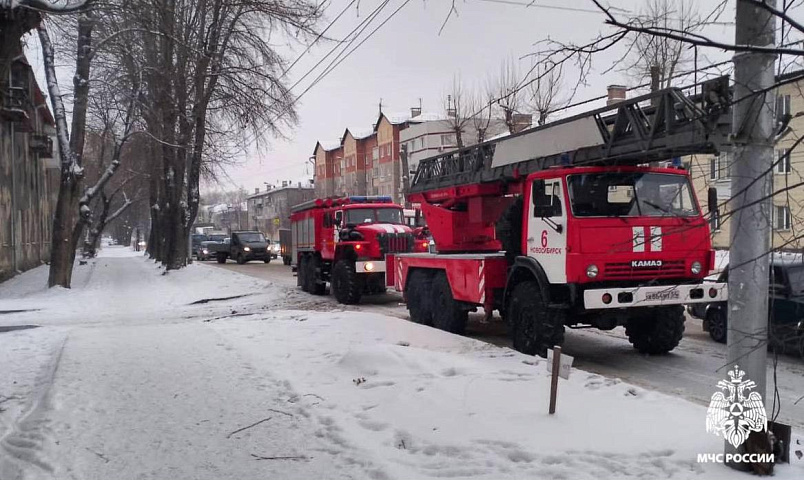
(572, 224)
(344, 241)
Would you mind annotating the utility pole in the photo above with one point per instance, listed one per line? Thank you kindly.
(405, 173)
(753, 132)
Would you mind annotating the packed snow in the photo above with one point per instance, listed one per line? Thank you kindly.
(205, 373)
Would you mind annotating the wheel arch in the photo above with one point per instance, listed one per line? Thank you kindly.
(526, 269)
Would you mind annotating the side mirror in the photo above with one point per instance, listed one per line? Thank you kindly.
(711, 199)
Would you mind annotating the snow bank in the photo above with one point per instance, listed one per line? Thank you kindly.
(427, 404)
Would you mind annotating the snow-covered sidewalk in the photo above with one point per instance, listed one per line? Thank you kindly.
(209, 374)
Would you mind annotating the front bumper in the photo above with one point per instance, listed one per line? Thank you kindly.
(655, 296)
(370, 266)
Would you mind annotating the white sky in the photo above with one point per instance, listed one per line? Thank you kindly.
(407, 59)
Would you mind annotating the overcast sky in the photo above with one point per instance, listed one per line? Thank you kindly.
(407, 60)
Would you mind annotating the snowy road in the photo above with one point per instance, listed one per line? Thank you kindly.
(208, 374)
(691, 371)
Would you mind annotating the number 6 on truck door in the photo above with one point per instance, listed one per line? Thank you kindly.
(547, 228)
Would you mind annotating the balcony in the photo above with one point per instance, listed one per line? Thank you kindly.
(12, 104)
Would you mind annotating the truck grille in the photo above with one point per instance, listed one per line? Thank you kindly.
(624, 270)
(395, 242)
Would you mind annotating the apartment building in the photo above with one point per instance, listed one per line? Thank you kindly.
(269, 210)
(786, 207)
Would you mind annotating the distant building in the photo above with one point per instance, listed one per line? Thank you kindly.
(787, 205)
(269, 210)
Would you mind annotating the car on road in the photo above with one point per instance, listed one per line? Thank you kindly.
(205, 250)
(243, 246)
(196, 240)
(785, 302)
(275, 248)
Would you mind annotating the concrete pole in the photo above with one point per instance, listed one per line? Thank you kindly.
(405, 174)
(750, 227)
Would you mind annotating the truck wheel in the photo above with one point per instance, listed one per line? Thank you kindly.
(314, 286)
(658, 333)
(420, 284)
(240, 259)
(266, 260)
(221, 258)
(534, 328)
(446, 312)
(346, 285)
(509, 230)
(717, 325)
(301, 274)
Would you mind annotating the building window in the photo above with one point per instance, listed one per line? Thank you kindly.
(375, 153)
(720, 166)
(782, 105)
(781, 217)
(449, 140)
(714, 220)
(783, 161)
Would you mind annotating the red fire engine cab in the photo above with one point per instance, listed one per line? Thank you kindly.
(572, 224)
(344, 241)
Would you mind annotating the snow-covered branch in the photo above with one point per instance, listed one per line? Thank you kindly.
(47, 6)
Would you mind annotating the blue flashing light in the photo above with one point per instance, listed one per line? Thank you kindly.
(677, 161)
(565, 159)
(374, 199)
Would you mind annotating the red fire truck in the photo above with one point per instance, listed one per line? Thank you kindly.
(566, 225)
(344, 241)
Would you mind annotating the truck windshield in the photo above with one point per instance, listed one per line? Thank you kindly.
(632, 194)
(216, 238)
(356, 216)
(251, 237)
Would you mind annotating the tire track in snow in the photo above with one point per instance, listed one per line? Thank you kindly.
(22, 446)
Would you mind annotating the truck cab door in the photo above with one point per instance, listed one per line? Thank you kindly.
(547, 228)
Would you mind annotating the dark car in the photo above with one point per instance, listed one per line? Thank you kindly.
(206, 250)
(197, 239)
(244, 246)
(786, 304)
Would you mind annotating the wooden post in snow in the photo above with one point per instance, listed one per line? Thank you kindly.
(554, 378)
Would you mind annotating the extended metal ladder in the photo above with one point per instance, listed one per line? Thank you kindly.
(628, 132)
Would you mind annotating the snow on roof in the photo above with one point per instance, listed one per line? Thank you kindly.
(361, 133)
(402, 117)
(331, 145)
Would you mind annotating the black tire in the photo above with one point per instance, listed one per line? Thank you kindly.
(346, 286)
(534, 328)
(240, 259)
(286, 260)
(301, 274)
(509, 230)
(717, 325)
(447, 314)
(657, 333)
(312, 276)
(220, 258)
(420, 284)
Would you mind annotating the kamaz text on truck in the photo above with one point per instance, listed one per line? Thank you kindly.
(344, 241)
(566, 224)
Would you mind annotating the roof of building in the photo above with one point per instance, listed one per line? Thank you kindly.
(272, 191)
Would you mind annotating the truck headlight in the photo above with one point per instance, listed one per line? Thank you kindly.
(695, 268)
(205, 251)
(369, 267)
(246, 249)
(591, 271)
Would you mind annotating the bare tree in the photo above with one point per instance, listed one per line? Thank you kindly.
(459, 110)
(662, 55)
(507, 92)
(480, 104)
(545, 93)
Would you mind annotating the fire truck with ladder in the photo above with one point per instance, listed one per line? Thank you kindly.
(344, 241)
(572, 223)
